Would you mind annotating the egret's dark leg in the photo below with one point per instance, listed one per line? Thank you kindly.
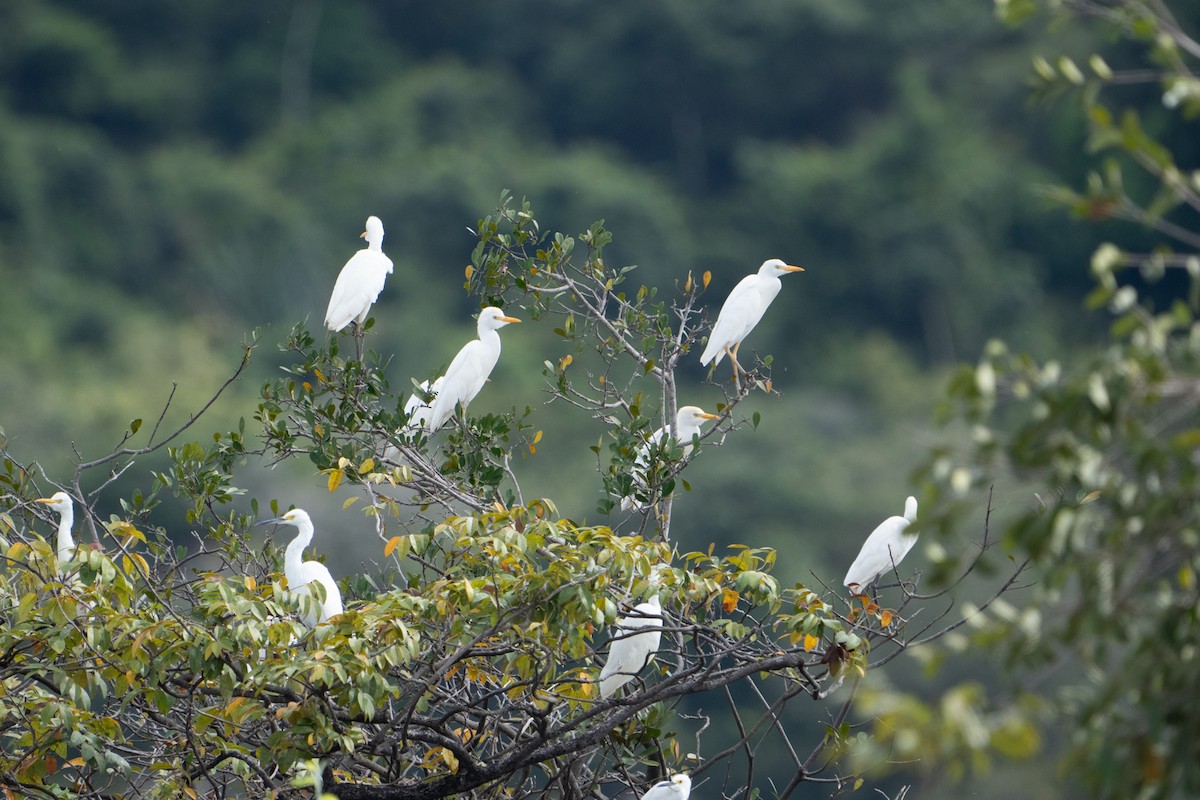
(358, 340)
(737, 368)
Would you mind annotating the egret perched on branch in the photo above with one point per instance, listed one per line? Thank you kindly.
(470, 368)
(633, 646)
(687, 424)
(60, 503)
(678, 788)
(359, 283)
(742, 310)
(302, 574)
(884, 548)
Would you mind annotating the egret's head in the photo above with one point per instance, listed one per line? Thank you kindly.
(374, 231)
(777, 267)
(296, 516)
(910, 509)
(692, 417)
(492, 318)
(59, 501)
(682, 780)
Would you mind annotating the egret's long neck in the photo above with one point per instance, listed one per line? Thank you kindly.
(294, 555)
(375, 243)
(66, 543)
(490, 337)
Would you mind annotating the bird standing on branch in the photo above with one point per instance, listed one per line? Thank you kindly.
(884, 548)
(687, 425)
(634, 644)
(742, 310)
(469, 370)
(60, 503)
(359, 284)
(302, 574)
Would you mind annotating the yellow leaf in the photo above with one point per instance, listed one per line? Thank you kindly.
(349, 501)
(367, 465)
(566, 361)
(307, 386)
(687, 285)
(250, 583)
(810, 642)
(469, 271)
(885, 618)
(729, 600)
(537, 437)
(392, 544)
(319, 375)
(707, 278)
(335, 479)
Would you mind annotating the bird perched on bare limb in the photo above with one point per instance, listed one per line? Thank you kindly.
(742, 310)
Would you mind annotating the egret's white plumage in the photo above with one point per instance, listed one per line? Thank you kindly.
(360, 281)
(884, 548)
(60, 503)
(469, 370)
(418, 407)
(635, 642)
(678, 788)
(688, 421)
(302, 574)
(743, 309)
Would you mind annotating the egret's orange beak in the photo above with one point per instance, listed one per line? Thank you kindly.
(45, 500)
(790, 268)
(508, 319)
(362, 235)
(706, 415)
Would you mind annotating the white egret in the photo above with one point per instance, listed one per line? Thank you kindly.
(469, 370)
(687, 424)
(60, 503)
(633, 646)
(742, 310)
(678, 788)
(887, 545)
(302, 574)
(360, 281)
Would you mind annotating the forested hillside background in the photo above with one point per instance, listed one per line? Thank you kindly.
(178, 176)
(174, 176)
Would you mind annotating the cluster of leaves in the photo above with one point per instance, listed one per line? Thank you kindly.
(475, 669)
